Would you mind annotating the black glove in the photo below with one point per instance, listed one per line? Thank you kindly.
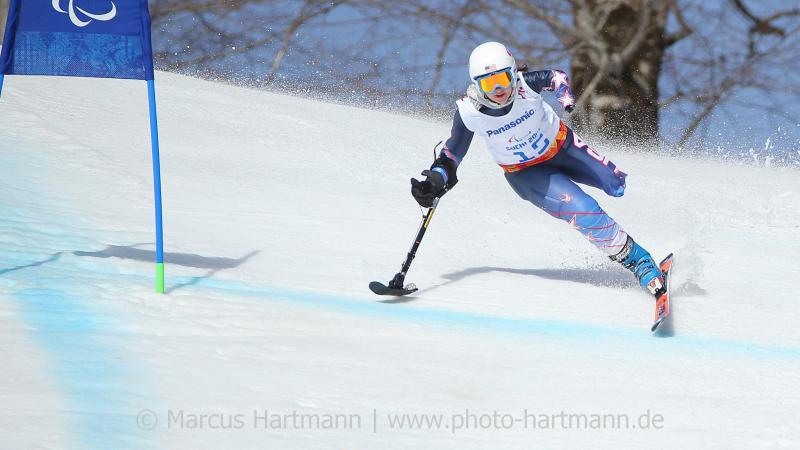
(569, 108)
(425, 191)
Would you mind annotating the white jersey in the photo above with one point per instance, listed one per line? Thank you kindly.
(521, 136)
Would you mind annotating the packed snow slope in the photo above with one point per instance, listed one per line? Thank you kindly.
(279, 210)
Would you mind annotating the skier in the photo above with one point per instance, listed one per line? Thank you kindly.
(541, 156)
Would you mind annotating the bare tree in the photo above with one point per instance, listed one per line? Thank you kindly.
(727, 60)
(616, 50)
(630, 60)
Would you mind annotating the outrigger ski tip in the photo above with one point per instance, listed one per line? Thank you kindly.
(381, 289)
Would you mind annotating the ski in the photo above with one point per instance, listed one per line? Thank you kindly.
(662, 303)
(382, 289)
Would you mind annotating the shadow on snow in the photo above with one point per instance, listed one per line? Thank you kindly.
(603, 277)
(213, 264)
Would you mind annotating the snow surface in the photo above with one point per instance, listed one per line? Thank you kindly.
(278, 212)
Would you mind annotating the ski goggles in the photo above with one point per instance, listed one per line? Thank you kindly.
(492, 81)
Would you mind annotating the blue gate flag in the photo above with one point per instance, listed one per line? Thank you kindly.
(78, 38)
(87, 38)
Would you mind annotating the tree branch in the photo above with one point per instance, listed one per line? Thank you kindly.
(762, 26)
(686, 30)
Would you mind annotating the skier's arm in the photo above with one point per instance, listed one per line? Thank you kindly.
(442, 175)
(552, 80)
(454, 151)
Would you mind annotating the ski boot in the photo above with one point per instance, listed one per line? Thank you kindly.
(636, 259)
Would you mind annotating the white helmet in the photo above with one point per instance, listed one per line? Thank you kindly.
(489, 58)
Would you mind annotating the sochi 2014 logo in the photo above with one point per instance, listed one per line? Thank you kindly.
(80, 17)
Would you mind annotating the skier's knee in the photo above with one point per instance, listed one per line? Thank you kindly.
(615, 186)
